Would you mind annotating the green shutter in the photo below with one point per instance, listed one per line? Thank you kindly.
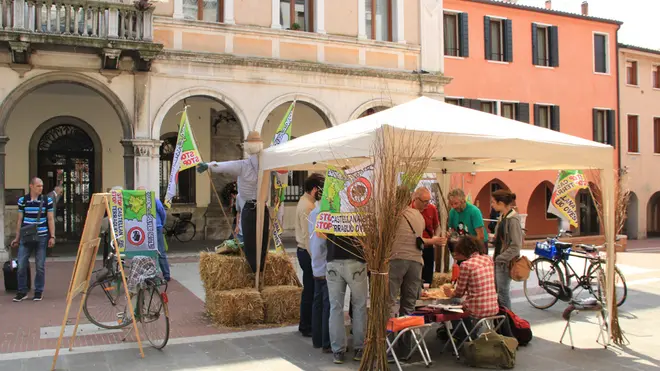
(554, 118)
(508, 40)
(535, 45)
(487, 50)
(522, 112)
(554, 46)
(463, 35)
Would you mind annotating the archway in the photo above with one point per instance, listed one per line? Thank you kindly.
(539, 222)
(631, 227)
(653, 216)
(67, 151)
(370, 107)
(482, 200)
(588, 221)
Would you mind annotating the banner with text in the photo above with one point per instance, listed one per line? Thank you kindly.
(185, 156)
(134, 220)
(562, 203)
(344, 193)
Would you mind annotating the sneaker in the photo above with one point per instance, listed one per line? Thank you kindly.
(20, 297)
(338, 358)
(358, 355)
(38, 296)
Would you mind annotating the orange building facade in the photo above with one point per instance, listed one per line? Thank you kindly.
(548, 68)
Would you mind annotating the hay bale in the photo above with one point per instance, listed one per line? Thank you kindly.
(224, 272)
(235, 307)
(281, 303)
(440, 279)
(279, 271)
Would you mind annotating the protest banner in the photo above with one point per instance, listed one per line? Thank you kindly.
(562, 203)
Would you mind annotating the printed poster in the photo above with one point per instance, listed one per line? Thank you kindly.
(134, 220)
(344, 193)
(562, 204)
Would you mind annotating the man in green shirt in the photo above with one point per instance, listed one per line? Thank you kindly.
(465, 218)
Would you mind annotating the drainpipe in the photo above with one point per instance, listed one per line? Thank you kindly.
(618, 94)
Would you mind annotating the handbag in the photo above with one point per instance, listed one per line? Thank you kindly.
(520, 268)
(419, 242)
(30, 232)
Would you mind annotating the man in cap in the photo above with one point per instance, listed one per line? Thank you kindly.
(246, 172)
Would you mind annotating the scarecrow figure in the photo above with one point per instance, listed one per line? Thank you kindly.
(246, 172)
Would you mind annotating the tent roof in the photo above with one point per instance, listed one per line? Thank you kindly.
(467, 140)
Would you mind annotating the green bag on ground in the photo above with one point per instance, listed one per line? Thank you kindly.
(491, 350)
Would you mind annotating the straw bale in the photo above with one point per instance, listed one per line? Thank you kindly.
(281, 303)
(440, 279)
(279, 271)
(224, 272)
(235, 307)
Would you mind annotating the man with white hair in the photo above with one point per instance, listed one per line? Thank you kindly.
(246, 172)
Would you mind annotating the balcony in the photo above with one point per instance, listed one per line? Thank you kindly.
(111, 29)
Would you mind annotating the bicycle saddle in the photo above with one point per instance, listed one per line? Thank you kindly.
(588, 248)
(563, 245)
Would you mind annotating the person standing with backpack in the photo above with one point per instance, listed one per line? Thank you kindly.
(35, 230)
(508, 242)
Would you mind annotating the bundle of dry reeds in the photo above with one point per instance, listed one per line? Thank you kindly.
(395, 152)
(621, 199)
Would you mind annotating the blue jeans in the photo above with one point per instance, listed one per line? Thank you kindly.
(340, 274)
(162, 255)
(24, 253)
(307, 297)
(321, 315)
(503, 284)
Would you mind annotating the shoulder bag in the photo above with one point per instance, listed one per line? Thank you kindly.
(419, 242)
(30, 232)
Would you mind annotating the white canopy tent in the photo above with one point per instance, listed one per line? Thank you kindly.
(467, 141)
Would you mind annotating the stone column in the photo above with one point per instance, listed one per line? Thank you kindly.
(4, 255)
(362, 20)
(147, 153)
(319, 16)
(432, 36)
(178, 9)
(229, 12)
(275, 14)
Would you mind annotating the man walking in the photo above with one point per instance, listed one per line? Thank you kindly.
(35, 231)
(313, 187)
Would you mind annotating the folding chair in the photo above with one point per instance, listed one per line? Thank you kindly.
(418, 333)
(577, 307)
(446, 319)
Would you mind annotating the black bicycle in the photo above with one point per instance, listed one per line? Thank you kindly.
(183, 229)
(557, 280)
(106, 305)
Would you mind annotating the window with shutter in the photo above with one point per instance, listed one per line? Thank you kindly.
(601, 64)
(633, 134)
(543, 117)
(496, 41)
(488, 107)
(508, 110)
(611, 128)
(522, 112)
(451, 34)
(656, 135)
(297, 15)
(599, 126)
(631, 73)
(656, 77)
(204, 10)
(554, 118)
(378, 18)
(463, 32)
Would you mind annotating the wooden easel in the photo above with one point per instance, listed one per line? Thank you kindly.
(84, 265)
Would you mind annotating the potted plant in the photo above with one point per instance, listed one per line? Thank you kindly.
(295, 27)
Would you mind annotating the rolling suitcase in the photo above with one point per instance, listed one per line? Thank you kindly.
(10, 272)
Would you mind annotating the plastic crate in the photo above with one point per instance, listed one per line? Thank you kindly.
(546, 250)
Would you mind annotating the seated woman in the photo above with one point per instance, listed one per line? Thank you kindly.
(476, 280)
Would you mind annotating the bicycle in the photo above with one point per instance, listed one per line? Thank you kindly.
(105, 303)
(183, 229)
(556, 282)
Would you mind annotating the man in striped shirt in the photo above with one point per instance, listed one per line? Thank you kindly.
(28, 214)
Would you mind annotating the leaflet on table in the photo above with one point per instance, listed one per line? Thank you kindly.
(344, 193)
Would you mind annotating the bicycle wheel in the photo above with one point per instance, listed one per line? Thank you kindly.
(543, 292)
(184, 231)
(620, 287)
(105, 304)
(154, 316)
